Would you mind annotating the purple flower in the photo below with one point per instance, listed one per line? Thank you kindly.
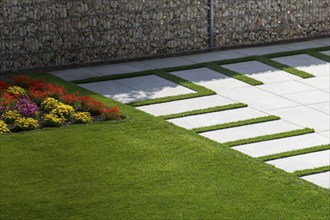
(26, 107)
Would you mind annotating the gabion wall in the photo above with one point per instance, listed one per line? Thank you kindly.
(41, 33)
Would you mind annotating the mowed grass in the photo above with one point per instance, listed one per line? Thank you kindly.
(143, 168)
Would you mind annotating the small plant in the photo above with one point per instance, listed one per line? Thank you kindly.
(71, 99)
(7, 101)
(38, 96)
(55, 91)
(21, 80)
(17, 91)
(110, 113)
(10, 116)
(91, 105)
(64, 111)
(4, 86)
(49, 104)
(4, 128)
(26, 107)
(82, 117)
(26, 124)
(51, 120)
(37, 84)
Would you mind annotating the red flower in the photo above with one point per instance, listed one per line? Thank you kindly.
(70, 99)
(55, 91)
(7, 100)
(90, 104)
(37, 95)
(4, 85)
(37, 84)
(110, 113)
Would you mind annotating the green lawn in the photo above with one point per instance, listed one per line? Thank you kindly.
(143, 168)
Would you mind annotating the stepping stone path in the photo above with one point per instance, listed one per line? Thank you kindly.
(300, 103)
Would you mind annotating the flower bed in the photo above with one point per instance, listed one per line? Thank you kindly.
(28, 104)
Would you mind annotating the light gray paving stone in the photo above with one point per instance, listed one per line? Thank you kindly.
(167, 62)
(325, 133)
(120, 68)
(260, 71)
(180, 106)
(321, 82)
(320, 179)
(210, 79)
(262, 50)
(154, 86)
(327, 52)
(323, 107)
(215, 118)
(282, 145)
(114, 90)
(302, 45)
(288, 87)
(326, 90)
(75, 74)
(306, 63)
(303, 162)
(309, 97)
(324, 41)
(213, 56)
(250, 131)
(137, 88)
(304, 116)
(258, 98)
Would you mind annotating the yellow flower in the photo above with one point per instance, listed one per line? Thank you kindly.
(62, 110)
(25, 124)
(10, 116)
(49, 104)
(16, 90)
(4, 128)
(51, 120)
(82, 117)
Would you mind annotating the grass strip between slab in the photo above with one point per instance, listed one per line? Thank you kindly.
(301, 173)
(284, 67)
(270, 137)
(204, 111)
(200, 90)
(294, 153)
(236, 124)
(234, 74)
(319, 55)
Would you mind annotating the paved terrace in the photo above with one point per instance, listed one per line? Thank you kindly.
(283, 119)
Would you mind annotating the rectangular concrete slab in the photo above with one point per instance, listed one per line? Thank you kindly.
(302, 45)
(325, 133)
(326, 52)
(75, 74)
(262, 50)
(303, 162)
(250, 131)
(304, 116)
(215, 118)
(167, 62)
(258, 98)
(210, 79)
(186, 105)
(213, 56)
(120, 68)
(306, 63)
(322, 107)
(320, 82)
(154, 86)
(309, 97)
(320, 179)
(260, 71)
(282, 145)
(288, 87)
(137, 88)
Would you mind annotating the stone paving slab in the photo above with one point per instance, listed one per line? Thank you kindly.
(180, 106)
(250, 131)
(75, 74)
(288, 87)
(320, 179)
(261, 72)
(282, 145)
(214, 56)
(137, 88)
(210, 79)
(322, 107)
(321, 82)
(306, 63)
(258, 98)
(215, 118)
(303, 45)
(262, 50)
(167, 62)
(327, 52)
(325, 133)
(303, 162)
(304, 116)
(309, 97)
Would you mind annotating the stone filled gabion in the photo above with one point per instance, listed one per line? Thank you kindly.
(51, 32)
